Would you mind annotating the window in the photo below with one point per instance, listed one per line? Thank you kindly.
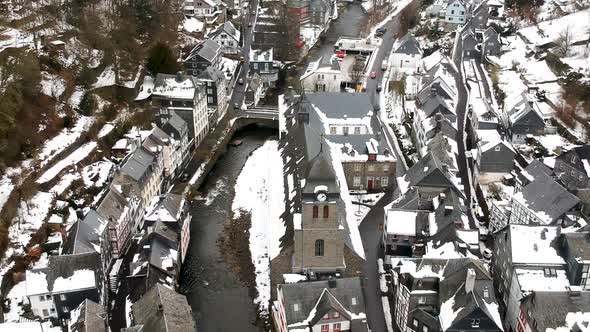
(52, 310)
(66, 310)
(462, 13)
(415, 322)
(326, 211)
(497, 148)
(336, 327)
(356, 181)
(325, 327)
(421, 300)
(210, 100)
(345, 130)
(371, 168)
(295, 306)
(315, 212)
(452, 12)
(209, 91)
(486, 293)
(255, 65)
(384, 181)
(353, 301)
(357, 130)
(385, 167)
(62, 297)
(326, 316)
(475, 322)
(332, 130)
(45, 313)
(357, 167)
(335, 77)
(319, 247)
(424, 328)
(336, 314)
(266, 66)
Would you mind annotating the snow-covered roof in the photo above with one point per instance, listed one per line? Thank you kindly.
(532, 245)
(36, 282)
(175, 86)
(401, 222)
(261, 55)
(535, 279)
(491, 144)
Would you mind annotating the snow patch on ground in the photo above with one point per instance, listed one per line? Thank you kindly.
(52, 85)
(97, 174)
(65, 138)
(193, 25)
(387, 313)
(74, 158)
(260, 191)
(30, 217)
(106, 129)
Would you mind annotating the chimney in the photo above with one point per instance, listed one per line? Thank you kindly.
(332, 282)
(469, 281)
(179, 76)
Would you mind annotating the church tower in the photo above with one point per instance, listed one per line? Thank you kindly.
(319, 231)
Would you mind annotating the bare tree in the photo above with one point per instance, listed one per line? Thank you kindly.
(564, 41)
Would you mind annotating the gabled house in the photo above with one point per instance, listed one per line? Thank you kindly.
(84, 235)
(491, 45)
(480, 16)
(456, 12)
(542, 202)
(262, 62)
(406, 231)
(471, 47)
(123, 212)
(444, 295)
(177, 129)
(554, 311)
(575, 250)
(323, 75)
(212, 11)
(526, 260)
(255, 90)
(496, 156)
(228, 37)
(173, 211)
(171, 152)
(156, 261)
(522, 118)
(329, 305)
(67, 281)
(217, 93)
(572, 167)
(141, 172)
(406, 53)
(184, 96)
(161, 309)
(89, 316)
(205, 54)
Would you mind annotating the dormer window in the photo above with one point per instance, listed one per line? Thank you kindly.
(475, 323)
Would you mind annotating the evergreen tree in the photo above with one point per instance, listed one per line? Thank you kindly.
(162, 60)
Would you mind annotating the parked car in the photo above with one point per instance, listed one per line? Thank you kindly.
(240, 81)
(236, 106)
(184, 177)
(373, 74)
(379, 87)
(340, 54)
(487, 253)
(384, 64)
(242, 59)
(380, 32)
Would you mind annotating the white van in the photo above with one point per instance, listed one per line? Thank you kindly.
(384, 64)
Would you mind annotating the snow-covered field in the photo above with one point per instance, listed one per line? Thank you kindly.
(259, 190)
(549, 31)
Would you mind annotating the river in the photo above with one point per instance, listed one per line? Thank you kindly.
(220, 302)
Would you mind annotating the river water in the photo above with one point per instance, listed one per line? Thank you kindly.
(220, 302)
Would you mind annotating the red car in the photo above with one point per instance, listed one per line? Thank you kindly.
(340, 54)
(373, 74)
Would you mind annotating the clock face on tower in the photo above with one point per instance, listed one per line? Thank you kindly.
(321, 197)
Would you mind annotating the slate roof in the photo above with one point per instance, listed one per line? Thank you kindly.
(84, 237)
(321, 172)
(546, 198)
(171, 204)
(550, 309)
(64, 266)
(308, 294)
(407, 45)
(578, 245)
(138, 164)
(452, 286)
(228, 28)
(91, 318)
(112, 205)
(208, 50)
(338, 104)
(441, 87)
(163, 310)
(432, 104)
(429, 171)
(534, 170)
(175, 124)
(212, 74)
